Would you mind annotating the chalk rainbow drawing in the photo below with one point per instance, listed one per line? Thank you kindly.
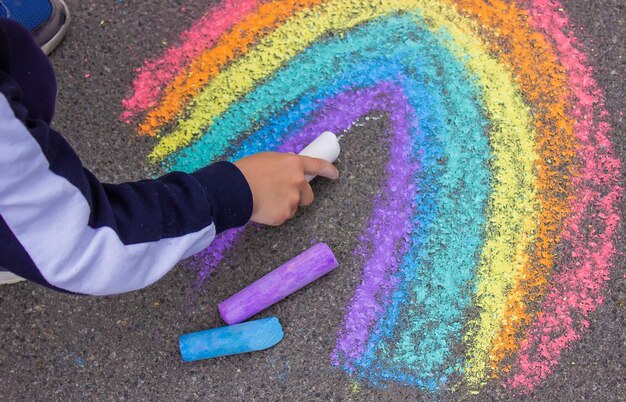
(493, 233)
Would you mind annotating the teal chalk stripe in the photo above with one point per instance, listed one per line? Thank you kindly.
(278, 128)
(306, 72)
(435, 289)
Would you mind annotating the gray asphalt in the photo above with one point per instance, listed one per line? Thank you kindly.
(61, 347)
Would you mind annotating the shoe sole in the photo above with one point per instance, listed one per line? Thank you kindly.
(53, 43)
(7, 278)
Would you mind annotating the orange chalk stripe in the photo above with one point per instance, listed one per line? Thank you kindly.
(233, 44)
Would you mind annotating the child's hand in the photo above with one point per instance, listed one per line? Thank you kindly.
(278, 184)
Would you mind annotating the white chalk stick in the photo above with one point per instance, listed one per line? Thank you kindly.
(325, 146)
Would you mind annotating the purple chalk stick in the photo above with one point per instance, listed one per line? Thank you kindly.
(278, 284)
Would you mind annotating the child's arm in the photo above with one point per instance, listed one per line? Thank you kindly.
(61, 227)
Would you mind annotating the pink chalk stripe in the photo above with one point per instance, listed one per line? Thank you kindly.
(579, 286)
(157, 73)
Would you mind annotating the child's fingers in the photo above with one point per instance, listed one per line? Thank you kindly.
(319, 167)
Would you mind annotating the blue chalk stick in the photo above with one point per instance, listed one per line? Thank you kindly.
(241, 338)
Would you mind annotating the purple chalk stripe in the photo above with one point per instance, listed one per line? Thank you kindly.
(336, 114)
(278, 284)
(391, 214)
(384, 240)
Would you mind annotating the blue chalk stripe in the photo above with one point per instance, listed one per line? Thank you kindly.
(231, 340)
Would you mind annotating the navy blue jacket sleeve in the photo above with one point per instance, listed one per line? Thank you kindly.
(61, 227)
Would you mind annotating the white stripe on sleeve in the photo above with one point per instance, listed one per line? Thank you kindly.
(49, 216)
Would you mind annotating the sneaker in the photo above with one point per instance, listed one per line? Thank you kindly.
(47, 20)
(7, 277)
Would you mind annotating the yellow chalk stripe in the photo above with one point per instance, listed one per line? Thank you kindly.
(274, 49)
(513, 205)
